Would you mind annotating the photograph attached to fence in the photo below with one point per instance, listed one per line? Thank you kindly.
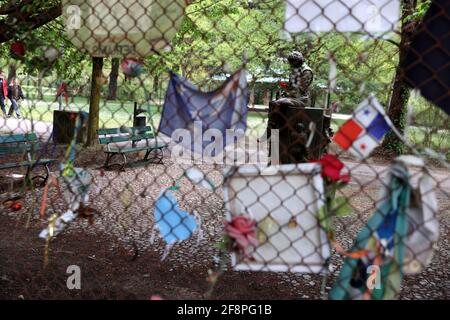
(281, 204)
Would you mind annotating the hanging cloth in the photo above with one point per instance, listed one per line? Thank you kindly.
(398, 239)
(423, 225)
(188, 108)
(383, 238)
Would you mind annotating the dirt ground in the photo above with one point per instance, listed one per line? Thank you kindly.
(112, 274)
(118, 261)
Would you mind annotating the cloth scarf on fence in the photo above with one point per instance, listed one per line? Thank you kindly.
(382, 244)
(398, 239)
(186, 107)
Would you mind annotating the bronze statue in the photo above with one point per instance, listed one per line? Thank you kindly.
(292, 115)
(300, 79)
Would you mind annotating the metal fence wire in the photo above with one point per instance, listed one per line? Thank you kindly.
(224, 149)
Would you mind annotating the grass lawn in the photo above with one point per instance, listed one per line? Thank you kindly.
(439, 140)
(118, 113)
(112, 113)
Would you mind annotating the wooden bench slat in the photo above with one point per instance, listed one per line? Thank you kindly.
(123, 134)
(123, 138)
(133, 130)
(15, 149)
(135, 149)
(22, 137)
(18, 148)
(113, 139)
(26, 163)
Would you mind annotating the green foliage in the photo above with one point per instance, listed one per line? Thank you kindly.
(71, 65)
(430, 127)
(215, 33)
(421, 9)
(324, 219)
(393, 144)
(223, 244)
(337, 207)
(341, 207)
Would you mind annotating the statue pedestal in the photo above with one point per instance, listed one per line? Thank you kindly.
(294, 124)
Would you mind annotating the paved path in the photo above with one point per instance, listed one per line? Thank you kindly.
(363, 174)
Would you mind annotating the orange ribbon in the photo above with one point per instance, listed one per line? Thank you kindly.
(52, 180)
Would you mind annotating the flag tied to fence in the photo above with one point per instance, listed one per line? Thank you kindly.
(365, 130)
(398, 238)
(207, 117)
(381, 244)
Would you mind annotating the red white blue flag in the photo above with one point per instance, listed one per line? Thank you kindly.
(365, 130)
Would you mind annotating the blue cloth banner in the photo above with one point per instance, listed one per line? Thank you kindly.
(205, 115)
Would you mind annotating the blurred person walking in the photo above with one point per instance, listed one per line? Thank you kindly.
(3, 92)
(15, 94)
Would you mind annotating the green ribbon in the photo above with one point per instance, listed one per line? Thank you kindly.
(390, 269)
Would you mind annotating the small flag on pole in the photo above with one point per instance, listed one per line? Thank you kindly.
(364, 132)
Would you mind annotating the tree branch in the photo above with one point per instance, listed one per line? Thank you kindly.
(392, 42)
(26, 21)
(11, 6)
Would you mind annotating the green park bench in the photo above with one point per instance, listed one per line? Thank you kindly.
(27, 145)
(112, 136)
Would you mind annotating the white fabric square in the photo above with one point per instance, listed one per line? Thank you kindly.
(373, 16)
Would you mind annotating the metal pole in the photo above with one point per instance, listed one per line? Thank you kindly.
(133, 143)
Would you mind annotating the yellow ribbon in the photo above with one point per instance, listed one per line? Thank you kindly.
(51, 232)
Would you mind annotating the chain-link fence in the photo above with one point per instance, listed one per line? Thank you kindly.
(226, 149)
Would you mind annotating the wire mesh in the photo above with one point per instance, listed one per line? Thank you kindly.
(224, 149)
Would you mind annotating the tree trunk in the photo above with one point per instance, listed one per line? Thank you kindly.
(156, 91)
(400, 91)
(94, 103)
(112, 89)
(40, 95)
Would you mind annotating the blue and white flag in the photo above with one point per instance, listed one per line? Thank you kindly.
(207, 117)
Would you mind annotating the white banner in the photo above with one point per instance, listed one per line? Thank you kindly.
(372, 16)
(125, 28)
